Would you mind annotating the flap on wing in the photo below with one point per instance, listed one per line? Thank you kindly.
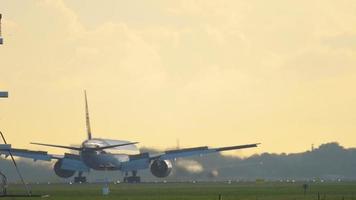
(72, 156)
(136, 162)
(237, 147)
(186, 150)
(35, 155)
(139, 156)
(172, 154)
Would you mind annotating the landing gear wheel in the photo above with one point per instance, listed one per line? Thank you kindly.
(80, 178)
(132, 179)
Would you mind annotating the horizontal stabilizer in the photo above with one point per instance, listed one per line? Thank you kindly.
(58, 146)
(113, 146)
(81, 148)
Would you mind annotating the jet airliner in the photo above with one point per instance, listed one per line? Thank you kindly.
(106, 154)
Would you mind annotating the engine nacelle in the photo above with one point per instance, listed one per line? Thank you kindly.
(63, 173)
(161, 168)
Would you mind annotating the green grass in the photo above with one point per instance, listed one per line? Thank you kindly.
(199, 191)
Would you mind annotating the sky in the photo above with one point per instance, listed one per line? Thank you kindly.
(204, 72)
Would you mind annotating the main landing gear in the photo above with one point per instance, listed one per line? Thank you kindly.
(132, 179)
(80, 178)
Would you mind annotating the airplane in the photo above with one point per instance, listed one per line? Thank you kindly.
(107, 154)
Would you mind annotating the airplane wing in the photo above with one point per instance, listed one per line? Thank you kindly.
(143, 160)
(24, 153)
(69, 161)
(172, 154)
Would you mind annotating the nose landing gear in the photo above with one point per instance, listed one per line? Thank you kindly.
(132, 179)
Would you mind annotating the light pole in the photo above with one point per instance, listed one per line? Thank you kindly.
(5, 146)
(1, 40)
(3, 179)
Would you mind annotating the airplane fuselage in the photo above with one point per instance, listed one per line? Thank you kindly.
(106, 159)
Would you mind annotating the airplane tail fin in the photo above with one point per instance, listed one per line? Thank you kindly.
(87, 116)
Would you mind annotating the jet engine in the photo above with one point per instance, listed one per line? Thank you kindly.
(63, 173)
(161, 168)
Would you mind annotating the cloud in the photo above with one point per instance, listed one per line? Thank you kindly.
(180, 68)
(342, 41)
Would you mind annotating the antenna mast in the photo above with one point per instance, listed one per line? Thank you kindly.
(1, 40)
(29, 193)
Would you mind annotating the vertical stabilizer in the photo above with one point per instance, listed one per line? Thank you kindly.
(87, 116)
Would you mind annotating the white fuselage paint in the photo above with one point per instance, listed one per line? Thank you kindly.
(108, 159)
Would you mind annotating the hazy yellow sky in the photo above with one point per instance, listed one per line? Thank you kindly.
(214, 73)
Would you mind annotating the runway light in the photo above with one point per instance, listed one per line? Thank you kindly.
(105, 190)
